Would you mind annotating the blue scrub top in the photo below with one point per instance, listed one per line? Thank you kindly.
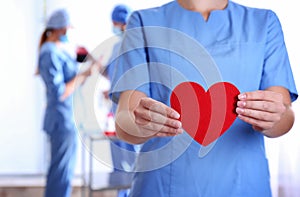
(241, 45)
(56, 68)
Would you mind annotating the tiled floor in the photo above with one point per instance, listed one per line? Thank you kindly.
(33, 186)
(38, 192)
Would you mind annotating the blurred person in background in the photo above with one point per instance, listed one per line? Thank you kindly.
(122, 153)
(59, 72)
(119, 17)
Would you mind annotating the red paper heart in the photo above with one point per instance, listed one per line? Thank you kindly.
(205, 115)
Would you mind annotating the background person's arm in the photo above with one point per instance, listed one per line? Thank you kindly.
(72, 85)
(78, 80)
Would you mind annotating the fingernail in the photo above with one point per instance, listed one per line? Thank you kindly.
(179, 124)
(239, 110)
(176, 115)
(176, 124)
(180, 131)
(242, 96)
(241, 103)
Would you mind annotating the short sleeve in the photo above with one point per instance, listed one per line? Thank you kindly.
(131, 70)
(277, 70)
(51, 71)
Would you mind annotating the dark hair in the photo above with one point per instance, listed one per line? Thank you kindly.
(44, 36)
(43, 39)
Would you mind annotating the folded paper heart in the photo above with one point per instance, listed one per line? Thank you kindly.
(205, 116)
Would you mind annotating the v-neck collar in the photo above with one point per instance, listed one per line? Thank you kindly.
(213, 16)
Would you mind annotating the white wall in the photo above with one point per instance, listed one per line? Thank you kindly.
(21, 141)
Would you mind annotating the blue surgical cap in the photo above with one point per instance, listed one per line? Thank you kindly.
(120, 14)
(58, 19)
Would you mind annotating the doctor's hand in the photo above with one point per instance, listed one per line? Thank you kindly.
(267, 111)
(156, 119)
(140, 118)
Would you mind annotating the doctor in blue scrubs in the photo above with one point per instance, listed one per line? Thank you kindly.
(58, 70)
(204, 41)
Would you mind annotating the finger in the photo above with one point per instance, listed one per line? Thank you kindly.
(262, 106)
(261, 95)
(159, 107)
(144, 116)
(257, 128)
(153, 129)
(157, 127)
(262, 125)
(163, 120)
(258, 115)
(180, 131)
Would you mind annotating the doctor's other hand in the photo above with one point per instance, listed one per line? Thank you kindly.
(156, 119)
(267, 111)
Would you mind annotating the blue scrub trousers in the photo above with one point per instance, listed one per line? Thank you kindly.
(63, 158)
(120, 157)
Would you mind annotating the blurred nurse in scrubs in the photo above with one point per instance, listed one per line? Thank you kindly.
(58, 70)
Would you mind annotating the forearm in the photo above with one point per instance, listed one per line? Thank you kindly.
(126, 126)
(72, 85)
(127, 130)
(283, 126)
